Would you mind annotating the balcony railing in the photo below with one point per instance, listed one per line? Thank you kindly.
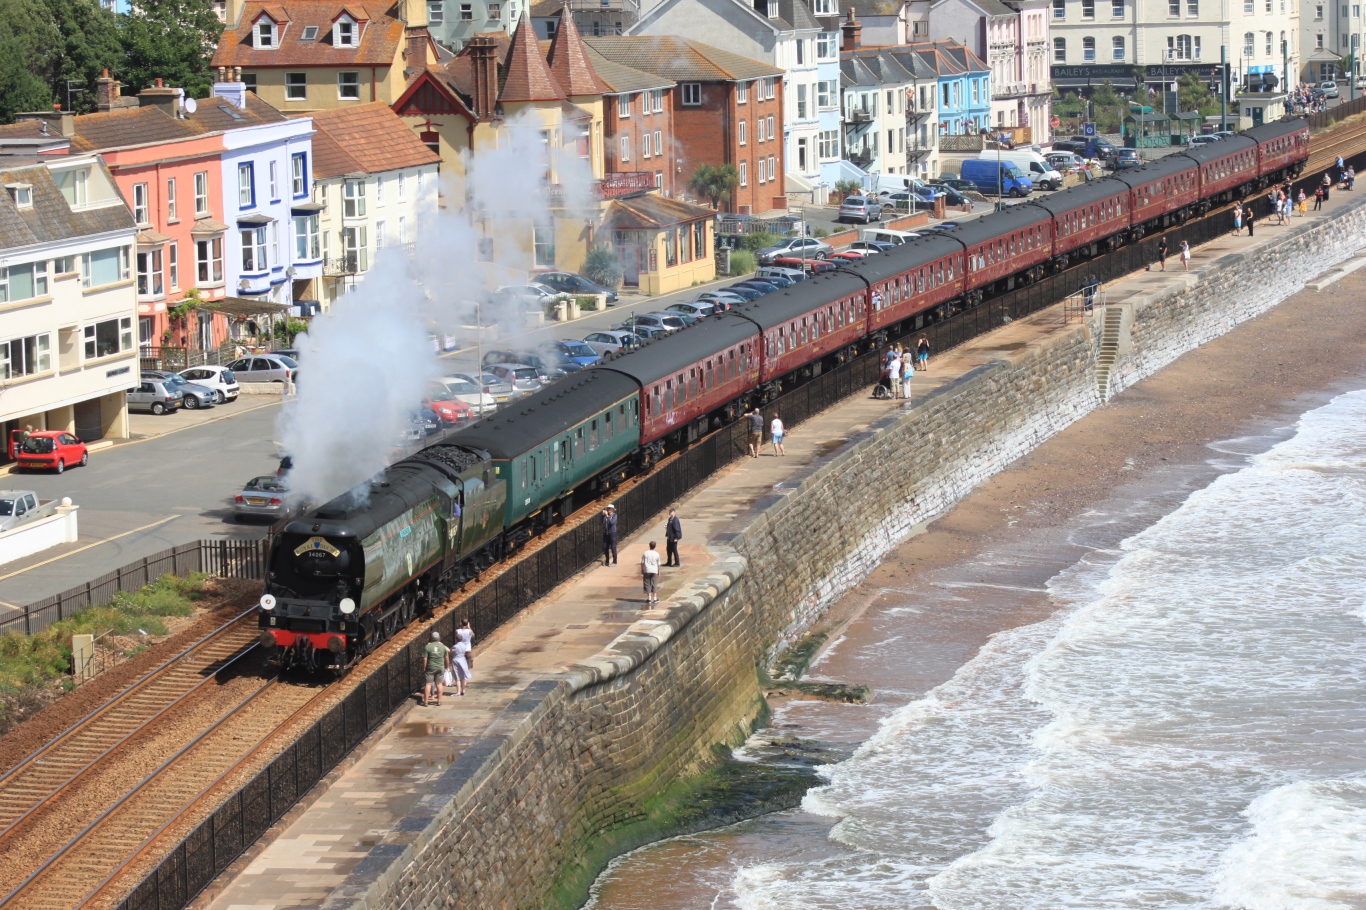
(347, 264)
(859, 115)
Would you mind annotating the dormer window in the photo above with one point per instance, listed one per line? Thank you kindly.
(265, 35)
(22, 193)
(310, 33)
(768, 8)
(344, 33)
(773, 9)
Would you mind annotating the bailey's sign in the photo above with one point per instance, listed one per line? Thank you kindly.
(1124, 73)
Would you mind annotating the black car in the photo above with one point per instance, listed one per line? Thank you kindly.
(953, 197)
(955, 183)
(744, 291)
(758, 284)
(569, 283)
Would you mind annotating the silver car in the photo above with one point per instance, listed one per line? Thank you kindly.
(524, 379)
(609, 342)
(220, 379)
(698, 309)
(155, 395)
(261, 497)
(192, 396)
(462, 388)
(501, 390)
(266, 368)
(17, 507)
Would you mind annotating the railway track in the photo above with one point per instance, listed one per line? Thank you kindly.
(75, 874)
(1345, 139)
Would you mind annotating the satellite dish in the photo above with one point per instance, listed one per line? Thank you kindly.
(191, 106)
(267, 602)
(347, 605)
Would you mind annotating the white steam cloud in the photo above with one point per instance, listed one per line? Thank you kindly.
(367, 362)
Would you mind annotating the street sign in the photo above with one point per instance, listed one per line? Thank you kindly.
(1089, 129)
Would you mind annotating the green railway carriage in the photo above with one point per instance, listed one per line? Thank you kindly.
(577, 437)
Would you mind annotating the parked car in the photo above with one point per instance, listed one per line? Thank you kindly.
(451, 411)
(610, 342)
(192, 396)
(219, 379)
(155, 395)
(1196, 142)
(688, 318)
(573, 351)
(427, 420)
(16, 507)
(903, 200)
(523, 379)
(774, 271)
(53, 450)
(850, 255)
(569, 283)
(748, 293)
(490, 384)
(762, 285)
(291, 353)
(463, 388)
(261, 497)
(860, 208)
(954, 182)
(776, 279)
(667, 322)
(726, 297)
(1064, 161)
(534, 295)
(813, 266)
(1127, 158)
(795, 248)
(649, 332)
(1105, 150)
(265, 368)
(546, 367)
(696, 308)
(1329, 89)
(1227, 134)
(953, 197)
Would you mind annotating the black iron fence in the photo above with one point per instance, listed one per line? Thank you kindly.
(1346, 109)
(223, 558)
(206, 852)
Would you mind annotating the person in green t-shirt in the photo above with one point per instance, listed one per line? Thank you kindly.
(438, 662)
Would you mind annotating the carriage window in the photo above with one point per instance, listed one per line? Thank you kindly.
(521, 469)
(533, 469)
(578, 442)
(659, 401)
(711, 382)
(669, 395)
(607, 425)
(593, 436)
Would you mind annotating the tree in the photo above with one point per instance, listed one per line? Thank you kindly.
(716, 182)
(20, 90)
(602, 267)
(89, 44)
(172, 40)
(1193, 94)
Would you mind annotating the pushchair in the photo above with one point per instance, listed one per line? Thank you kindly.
(883, 390)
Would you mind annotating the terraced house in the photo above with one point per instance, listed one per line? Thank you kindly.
(68, 301)
(307, 55)
(890, 106)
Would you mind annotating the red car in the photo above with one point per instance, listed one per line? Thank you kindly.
(449, 409)
(52, 450)
(850, 255)
(812, 266)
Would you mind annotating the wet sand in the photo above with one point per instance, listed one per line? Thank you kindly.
(983, 566)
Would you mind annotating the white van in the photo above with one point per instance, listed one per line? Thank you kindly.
(1038, 170)
(886, 235)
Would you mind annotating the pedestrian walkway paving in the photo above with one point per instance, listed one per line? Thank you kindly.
(309, 854)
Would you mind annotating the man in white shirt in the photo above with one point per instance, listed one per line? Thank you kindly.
(894, 375)
(649, 571)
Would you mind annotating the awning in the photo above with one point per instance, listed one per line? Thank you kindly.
(307, 208)
(206, 227)
(151, 238)
(246, 308)
(257, 219)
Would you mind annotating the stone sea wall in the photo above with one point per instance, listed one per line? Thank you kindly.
(582, 768)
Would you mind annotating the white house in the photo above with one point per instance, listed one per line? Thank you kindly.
(68, 301)
(373, 181)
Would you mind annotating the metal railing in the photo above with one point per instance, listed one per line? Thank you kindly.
(222, 558)
(1346, 109)
(181, 358)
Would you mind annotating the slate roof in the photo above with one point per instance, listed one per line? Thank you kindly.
(368, 138)
(569, 61)
(620, 79)
(874, 7)
(680, 59)
(795, 13)
(51, 219)
(526, 76)
(653, 211)
(994, 8)
(380, 36)
(877, 66)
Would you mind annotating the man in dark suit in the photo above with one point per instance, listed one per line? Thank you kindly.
(609, 535)
(673, 533)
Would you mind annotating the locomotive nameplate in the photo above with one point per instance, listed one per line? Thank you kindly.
(316, 544)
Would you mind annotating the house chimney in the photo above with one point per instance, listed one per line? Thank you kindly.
(484, 67)
(168, 99)
(106, 92)
(55, 122)
(853, 32)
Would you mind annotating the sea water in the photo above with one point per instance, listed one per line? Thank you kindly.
(1187, 729)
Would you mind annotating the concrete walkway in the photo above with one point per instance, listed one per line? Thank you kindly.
(310, 853)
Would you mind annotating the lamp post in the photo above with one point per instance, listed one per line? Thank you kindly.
(1352, 79)
(1223, 87)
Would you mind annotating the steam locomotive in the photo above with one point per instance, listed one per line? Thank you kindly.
(347, 576)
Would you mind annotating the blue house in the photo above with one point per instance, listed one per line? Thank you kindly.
(964, 87)
(267, 198)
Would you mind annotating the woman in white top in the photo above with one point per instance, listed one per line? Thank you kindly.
(462, 657)
(776, 430)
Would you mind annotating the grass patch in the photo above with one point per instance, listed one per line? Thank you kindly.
(742, 262)
(36, 660)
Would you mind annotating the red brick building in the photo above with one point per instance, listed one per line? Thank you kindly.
(727, 109)
(638, 123)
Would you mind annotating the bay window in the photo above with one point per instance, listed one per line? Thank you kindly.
(254, 250)
(307, 246)
(209, 260)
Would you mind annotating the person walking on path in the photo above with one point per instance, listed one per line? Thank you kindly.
(1302, 202)
(609, 535)
(673, 533)
(1251, 220)
(776, 430)
(461, 669)
(1162, 253)
(1185, 255)
(922, 354)
(466, 634)
(1327, 186)
(894, 376)
(1238, 219)
(1318, 198)
(907, 373)
(649, 573)
(756, 431)
(1351, 177)
(438, 662)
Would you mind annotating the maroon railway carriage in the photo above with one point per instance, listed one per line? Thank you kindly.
(1010, 247)
(812, 321)
(919, 275)
(1282, 148)
(1161, 193)
(1088, 219)
(1229, 170)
